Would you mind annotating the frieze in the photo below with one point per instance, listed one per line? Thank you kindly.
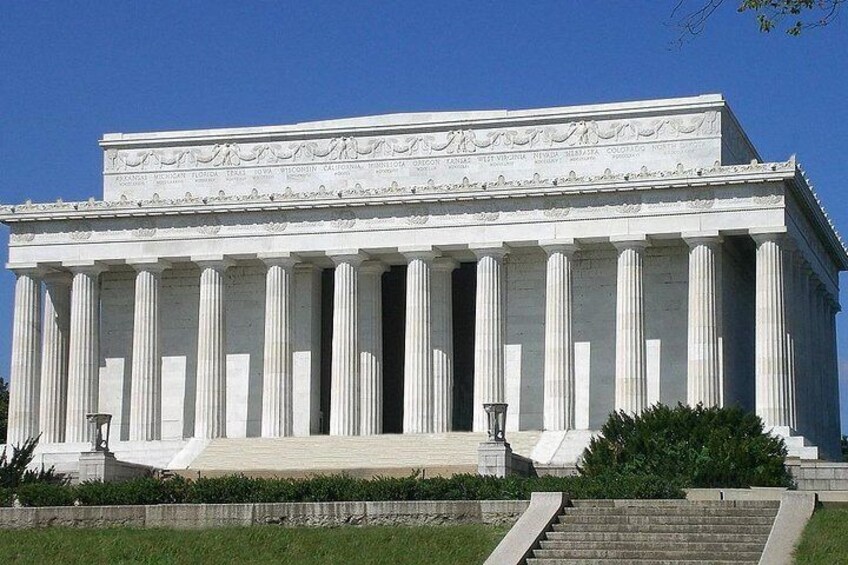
(454, 142)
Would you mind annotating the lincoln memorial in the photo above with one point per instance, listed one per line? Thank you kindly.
(376, 280)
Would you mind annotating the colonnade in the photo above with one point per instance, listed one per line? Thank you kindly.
(55, 349)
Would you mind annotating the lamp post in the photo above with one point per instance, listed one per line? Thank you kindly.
(496, 417)
(99, 440)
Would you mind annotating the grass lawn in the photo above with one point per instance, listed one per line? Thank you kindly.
(825, 539)
(450, 545)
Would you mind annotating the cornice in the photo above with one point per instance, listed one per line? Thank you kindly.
(819, 216)
(396, 194)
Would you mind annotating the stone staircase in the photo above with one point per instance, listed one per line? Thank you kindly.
(654, 532)
(388, 454)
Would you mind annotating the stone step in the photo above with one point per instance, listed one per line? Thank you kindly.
(608, 561)
(671, 511)
(687, 545)
(324, 453)
(708, 557)
(670, 519)
(661, 537)
(758, 529)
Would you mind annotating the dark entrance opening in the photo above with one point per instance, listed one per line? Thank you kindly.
(394, 332)
(327, 286)
(464, 297)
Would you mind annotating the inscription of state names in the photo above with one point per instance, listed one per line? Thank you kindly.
(413, 171)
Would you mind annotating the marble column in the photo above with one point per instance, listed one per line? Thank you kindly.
(816, 374)
(344, 371)
(704, 355)
(25, 376)
(371, 347)
(146, 376)
(559, 385)
(805, 390)
(489, 331)
(277, 379)
(631, 380)
(418, 346)
(773, 391)
(54, 357)
(833, 433)
(210, 414)
(83, 351)
(442, 313)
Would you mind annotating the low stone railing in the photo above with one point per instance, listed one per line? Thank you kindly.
(291, 514)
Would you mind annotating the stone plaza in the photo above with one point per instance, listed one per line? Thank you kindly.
(391, 274)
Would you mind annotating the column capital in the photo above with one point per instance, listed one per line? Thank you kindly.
(353, 257)
(280, 259)
(85, 267)
(495, 249)
(694, 239)
(445, 264)
(153, 265)
(565, 246)
(764, 235)
(29, 269)
(217, 262)
(623, 242)
(422, 252)
(372, 267)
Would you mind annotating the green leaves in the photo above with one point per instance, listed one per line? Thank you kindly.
(690, 447)
(14, 471)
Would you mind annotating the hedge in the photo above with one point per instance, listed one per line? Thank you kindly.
(692, 446)
(335, 488)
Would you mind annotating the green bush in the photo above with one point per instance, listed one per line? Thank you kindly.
(7, 496)
(335, 488)
(144, 490)
(687, 447)
(15, 468)
(45, 494)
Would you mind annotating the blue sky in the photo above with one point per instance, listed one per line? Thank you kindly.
(71, 71)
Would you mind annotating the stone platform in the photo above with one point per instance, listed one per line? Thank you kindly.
(388, 454)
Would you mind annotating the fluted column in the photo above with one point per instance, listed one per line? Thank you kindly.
(277, 379)
(146, 376)
(442, 315)
(344, 372)
(559, 386)
(805, 385)
(704, 356)
(489, 331)
(210, 415)
(816, 376)
(54, 357)
(631, 380)
(371, 347)
(773, 391)
(832, 420)
(418, 346)
(25, 371)
(83, 351)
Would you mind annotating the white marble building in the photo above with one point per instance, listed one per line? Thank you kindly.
(390, 274)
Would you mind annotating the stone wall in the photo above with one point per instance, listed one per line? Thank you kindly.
(191, 516)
